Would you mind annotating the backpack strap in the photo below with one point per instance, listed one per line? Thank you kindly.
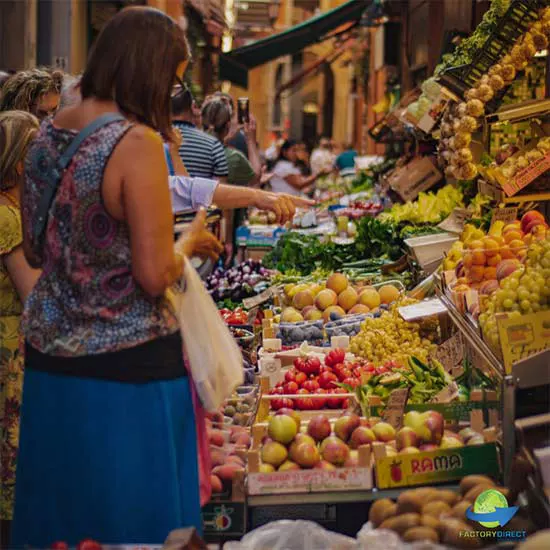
(46, 200)
(169, 162)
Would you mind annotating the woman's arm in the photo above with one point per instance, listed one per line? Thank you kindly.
(147, 210)
(23, 276)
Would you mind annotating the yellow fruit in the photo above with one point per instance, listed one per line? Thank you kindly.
(347, 298)
(337, 282)
(388, 294)
(370, 298)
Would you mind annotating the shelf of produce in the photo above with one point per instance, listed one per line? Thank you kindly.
(335, 497)
(472, 336)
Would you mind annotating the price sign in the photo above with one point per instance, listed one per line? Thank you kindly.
(455, 222)
(451, 352)
(395, 409)
(446, 395)
(426, 308)
(506, 215)
(267, 294)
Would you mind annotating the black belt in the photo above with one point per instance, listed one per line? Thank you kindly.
(159, 359)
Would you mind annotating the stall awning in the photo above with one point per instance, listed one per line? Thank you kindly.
(234, 65)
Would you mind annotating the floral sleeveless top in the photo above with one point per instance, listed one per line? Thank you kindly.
(86, 301)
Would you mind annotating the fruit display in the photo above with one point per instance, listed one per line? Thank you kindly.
(261, 217)
(237, 410)
(243, 281)
(359, 208)
(463, 119)
(333, 299)
(388, 337)
(525, 290)
(435, 515)
(292, 445)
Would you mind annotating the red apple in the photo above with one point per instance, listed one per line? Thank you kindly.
(319, 427)
(345, 425)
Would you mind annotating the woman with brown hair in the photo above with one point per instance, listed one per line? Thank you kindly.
(36, 91)
(17, 278)
(108, 436)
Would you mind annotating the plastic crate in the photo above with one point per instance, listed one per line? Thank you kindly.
(513, 24)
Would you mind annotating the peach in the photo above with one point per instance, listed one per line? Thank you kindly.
(388, 294)
(530, 217)
(491, 246)
(337, 282)
(274, 453)
(370, 298)
(306, 455)
(505, 268)
(516, 245)
(490, 273)
(478, 257)
(506, 253)
(358, 309)
(291, 315)
(325, 299)
(512, 235)
(282, 428)
(333, 311)
(476, 273)
(347, 298)
(494, 260)
(302, 299)
(468, 259)
(288, 465)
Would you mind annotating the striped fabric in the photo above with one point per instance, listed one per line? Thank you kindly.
(202, 154)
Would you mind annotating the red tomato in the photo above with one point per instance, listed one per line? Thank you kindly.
(290, 388)
(320, 402)
(304, 403)
(311, 386)
(278, 390)
(300, 378)
(287, 403)
(327, 380)
(277, 404)
(334, 402)
(290, 376)
(351, 381)
(300, 364)
(343, 374)
(59, 545)
(314, 365)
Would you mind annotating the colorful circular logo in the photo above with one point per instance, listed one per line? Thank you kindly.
(488, 502)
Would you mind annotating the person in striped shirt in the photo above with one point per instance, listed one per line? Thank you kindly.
(202, 154)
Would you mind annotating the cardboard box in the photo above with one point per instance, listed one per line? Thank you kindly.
(438, 466)
(414, 177)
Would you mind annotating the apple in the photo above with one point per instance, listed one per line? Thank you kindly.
(288, 465)
(352, 460)
(409, 451)
(406, 437)
(324, 465)
(292, 413)
(282, 428)
(274, 453)
(334, 450)
(319, 427)
(383, 431)
(300, 438)
(361, 436)
(450, 442)
(428, 426)
(306, 455)
(345, 425)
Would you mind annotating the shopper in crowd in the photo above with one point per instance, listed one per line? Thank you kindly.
(36, 91)
(236, 137)
(322, 158)
(346, 159)
(108, 437)
(302, 158)
(216, 119)
(17, 129)
(202, 154)
(287, 177)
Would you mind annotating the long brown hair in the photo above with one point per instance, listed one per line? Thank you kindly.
(17, 130)
(134, 63)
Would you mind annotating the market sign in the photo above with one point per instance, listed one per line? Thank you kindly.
(437, 466)
(523, 336)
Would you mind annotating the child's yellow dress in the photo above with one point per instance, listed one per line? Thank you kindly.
(11, 361)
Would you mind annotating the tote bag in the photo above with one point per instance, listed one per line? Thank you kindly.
(214, 357)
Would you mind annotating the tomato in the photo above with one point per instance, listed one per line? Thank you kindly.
(88, 544)
(382, 370)
(351, 381)
(287, 403)
(277, 404)
(314, 365)
(59, 545)
(300, 378)
(311, 386)
(334, 402)
(320, 402)
(343, 374)
(304, 403)
(335, 356)
(300, 364)
(290, 388)
(327, 380)
(290, 376)
(278, 390)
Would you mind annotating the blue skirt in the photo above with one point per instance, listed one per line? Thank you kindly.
(110, 461)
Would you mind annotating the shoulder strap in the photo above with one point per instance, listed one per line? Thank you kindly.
(169, 162)
(50, 190)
